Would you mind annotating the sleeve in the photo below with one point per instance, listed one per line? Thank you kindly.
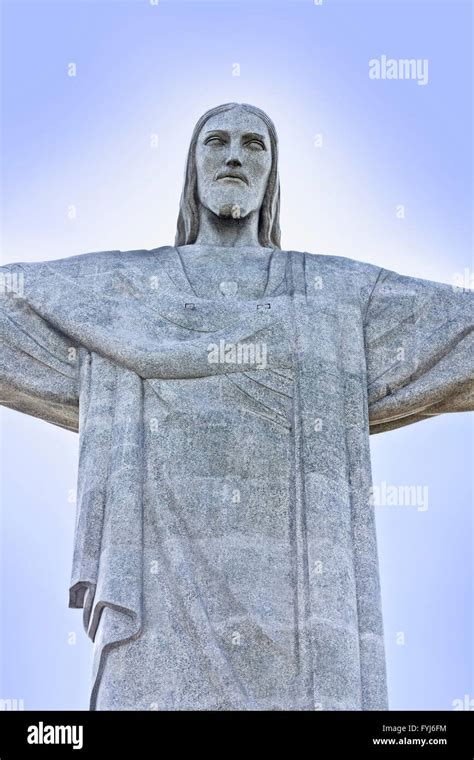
(38, 364)
(419, 350)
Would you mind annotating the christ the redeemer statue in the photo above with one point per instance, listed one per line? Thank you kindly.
(224, 391)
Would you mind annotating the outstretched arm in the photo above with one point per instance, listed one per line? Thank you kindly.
(419, 338)
(38, 364)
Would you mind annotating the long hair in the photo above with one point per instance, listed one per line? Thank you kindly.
(269, 218)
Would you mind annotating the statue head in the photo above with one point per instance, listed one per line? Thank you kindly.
(232, 170)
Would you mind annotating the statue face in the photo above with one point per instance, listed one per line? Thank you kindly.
(233, 161)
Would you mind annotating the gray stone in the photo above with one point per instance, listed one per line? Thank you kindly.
(224, 391)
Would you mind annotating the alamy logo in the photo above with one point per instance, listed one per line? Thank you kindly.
(463, 282)
(12, 704)
(387, 495)
(467, 703)
(399, 68)
(12, 282)
(41, 734)
(237, 353)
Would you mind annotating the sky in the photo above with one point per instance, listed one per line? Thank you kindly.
(99, 99)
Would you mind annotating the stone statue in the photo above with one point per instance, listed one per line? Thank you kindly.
(224, 391)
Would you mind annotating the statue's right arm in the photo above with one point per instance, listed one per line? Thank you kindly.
(38, 363)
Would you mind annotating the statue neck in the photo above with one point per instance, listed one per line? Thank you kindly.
(216, 230)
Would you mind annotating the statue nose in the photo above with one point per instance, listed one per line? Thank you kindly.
(233, 161)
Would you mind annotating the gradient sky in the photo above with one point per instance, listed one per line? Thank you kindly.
(86, 142)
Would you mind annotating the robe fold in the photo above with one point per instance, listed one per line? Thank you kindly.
(91, 342)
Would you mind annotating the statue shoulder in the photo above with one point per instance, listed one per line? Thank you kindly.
(112, 259)
(342, 264)
(100, 259)
(345, 275)
(86, 264)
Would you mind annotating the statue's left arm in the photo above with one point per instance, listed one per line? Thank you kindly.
(419, 343)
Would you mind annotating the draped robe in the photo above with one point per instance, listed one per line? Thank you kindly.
(366, 350)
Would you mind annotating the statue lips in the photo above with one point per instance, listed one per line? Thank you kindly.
(232, 175)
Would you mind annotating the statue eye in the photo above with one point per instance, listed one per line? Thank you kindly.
(215, 141)
(256, 145)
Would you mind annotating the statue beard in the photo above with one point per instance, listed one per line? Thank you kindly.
(228, 206)
(231, 211)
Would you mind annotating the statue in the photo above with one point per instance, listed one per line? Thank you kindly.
(224, 391)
